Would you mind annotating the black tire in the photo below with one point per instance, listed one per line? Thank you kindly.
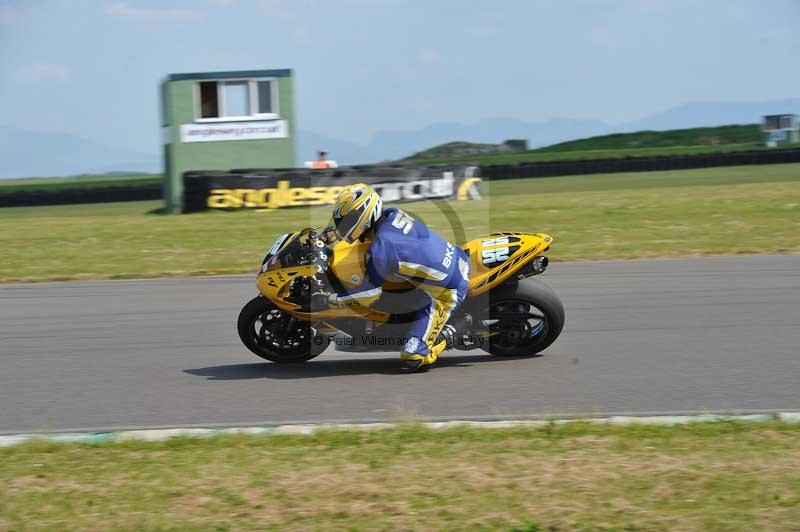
(305, 346)
(537, 295)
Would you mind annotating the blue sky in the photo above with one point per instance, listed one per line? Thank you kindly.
(92, 67)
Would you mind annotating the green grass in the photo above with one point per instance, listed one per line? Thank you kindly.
(698, 136)
(76, 182)
(638, 144)
(749, 209)
(544, 155)
(709, 477)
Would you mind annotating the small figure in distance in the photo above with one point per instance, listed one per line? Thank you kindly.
(322, 162)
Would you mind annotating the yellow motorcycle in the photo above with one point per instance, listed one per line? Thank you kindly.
(505, 313)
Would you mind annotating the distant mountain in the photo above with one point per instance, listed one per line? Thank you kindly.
(456, 149)
(29, 154)
(393, 145)
(398, 144)
(706, 114)
(26, 153)
(341, 151)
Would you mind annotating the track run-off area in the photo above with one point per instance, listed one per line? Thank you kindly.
(716, 334)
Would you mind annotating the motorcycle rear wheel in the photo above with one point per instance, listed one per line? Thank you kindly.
(275, 335)
(527, 316)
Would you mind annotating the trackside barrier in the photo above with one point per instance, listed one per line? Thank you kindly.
(387, 171)
(638, 164)
(80, 195)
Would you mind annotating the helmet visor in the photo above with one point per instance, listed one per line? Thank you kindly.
(345, 225)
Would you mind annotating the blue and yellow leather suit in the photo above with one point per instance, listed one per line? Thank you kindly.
(405, 249)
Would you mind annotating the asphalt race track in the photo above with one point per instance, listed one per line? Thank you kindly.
(708, 334)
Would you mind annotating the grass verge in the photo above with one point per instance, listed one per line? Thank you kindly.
(749, 209)
(723, 476)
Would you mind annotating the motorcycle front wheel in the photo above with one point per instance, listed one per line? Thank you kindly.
(524, 317)
(275, 335)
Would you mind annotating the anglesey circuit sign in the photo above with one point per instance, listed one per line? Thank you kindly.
(229, 191)
(271, 129)
(285, 195)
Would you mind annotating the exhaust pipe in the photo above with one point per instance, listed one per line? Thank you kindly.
(539, 264)
(534, 267)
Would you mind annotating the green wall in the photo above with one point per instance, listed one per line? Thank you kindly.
(178, 108)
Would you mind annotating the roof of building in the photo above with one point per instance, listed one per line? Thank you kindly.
(229, 74)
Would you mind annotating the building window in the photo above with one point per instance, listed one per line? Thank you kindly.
(236, 98)
(771, 122)
(240, 99)
(265, 97)
(209, 101)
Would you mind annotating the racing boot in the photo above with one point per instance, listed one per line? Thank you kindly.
(450, 336)
(420, 362)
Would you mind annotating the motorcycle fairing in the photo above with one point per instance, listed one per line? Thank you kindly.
(274, 282)
(347, 263)
(495, 258)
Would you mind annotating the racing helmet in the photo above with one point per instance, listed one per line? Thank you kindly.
(356, 211)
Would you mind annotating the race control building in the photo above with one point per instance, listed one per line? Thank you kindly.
(224, 120)
(780, 130)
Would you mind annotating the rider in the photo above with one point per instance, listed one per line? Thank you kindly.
(403, 249)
